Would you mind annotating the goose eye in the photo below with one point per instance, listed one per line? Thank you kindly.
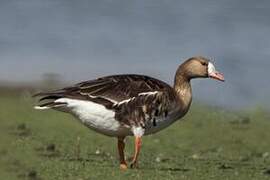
(204, 63)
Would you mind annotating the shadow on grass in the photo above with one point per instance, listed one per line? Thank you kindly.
(175, 169)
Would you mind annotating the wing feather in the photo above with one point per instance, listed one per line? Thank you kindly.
(112, 89)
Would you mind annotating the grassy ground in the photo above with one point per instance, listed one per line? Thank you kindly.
(208, 144)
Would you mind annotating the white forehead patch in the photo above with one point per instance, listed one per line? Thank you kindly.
(211, 68)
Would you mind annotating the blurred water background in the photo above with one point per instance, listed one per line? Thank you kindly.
(61, 42)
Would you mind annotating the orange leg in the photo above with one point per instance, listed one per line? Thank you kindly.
(121, 147)
(138, 143)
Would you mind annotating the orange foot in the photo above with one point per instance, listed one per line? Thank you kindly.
(123, 166)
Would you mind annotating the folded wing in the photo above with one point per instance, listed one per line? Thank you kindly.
(107, 91)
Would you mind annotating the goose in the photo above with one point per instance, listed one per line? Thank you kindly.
(130, 104)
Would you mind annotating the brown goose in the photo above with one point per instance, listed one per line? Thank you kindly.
(130, 105)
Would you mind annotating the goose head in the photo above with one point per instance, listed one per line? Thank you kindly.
(199, 67)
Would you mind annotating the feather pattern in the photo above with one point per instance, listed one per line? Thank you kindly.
(145, 109)
(136, 100)
(113, 88)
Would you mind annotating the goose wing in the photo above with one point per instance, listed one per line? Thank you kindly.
(107, 90)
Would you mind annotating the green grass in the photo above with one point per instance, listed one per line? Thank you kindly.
(208, 144)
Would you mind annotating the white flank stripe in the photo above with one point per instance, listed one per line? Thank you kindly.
(148, 93)
(109, 99)
(140, 94)
(41, 108)
(125, 101)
